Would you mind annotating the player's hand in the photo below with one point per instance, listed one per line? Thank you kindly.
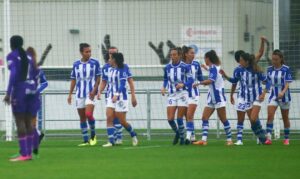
(262, 97)
(179, 85)
(232, 100)
(263, 38)
(92, 95)
(163, 91)
(70, 99)
(196, 85)
(99, 96)
(280, 95)
(204, 67)
(115, 99)
(6, 99)
(133, 101)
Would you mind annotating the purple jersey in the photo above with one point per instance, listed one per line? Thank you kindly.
(22, 92)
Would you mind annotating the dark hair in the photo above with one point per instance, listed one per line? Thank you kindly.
(279, 54)
(82, 46)
(106, 57)
(250, 58)
(119, 58)
(178, 50)
(238, 54)
(213, 57)
(16, 43)
(185, 50)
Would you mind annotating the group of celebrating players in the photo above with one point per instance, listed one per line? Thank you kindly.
(182, 77)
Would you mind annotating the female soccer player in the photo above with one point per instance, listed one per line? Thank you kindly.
(279, 79)
(251, 93)
(175, 81)
(118, 127)
(215, 98)
(117, 98)
(42, 84)
(240, 104)
(21, 95)
(194, 69)
(85, 76)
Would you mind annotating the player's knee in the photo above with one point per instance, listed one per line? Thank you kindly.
(89, 115)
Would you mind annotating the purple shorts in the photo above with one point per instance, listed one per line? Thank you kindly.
(25, 104)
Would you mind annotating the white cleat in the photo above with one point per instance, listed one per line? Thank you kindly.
(119, 142)
(135, 141)
(108, 144)
(239, 142)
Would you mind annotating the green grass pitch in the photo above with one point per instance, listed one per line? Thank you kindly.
(61, 158)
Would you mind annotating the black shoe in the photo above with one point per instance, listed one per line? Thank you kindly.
(187, 142)
(176, 138)
(41, 137)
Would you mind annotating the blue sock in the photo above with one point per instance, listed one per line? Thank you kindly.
(258, 131)
(92, 128)
(180, 127)
(269, 128)
(173, 125)
(110, 134)
(240, 127)
(84, 131)
(130, 130)
(118, 127)
(227, 129)
(286, 133)
(205, 126)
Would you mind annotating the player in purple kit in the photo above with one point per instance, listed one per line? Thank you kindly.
(20, 94)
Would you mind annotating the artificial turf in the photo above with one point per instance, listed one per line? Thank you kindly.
(61, 158)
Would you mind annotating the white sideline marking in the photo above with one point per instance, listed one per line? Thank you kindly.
(142, 147)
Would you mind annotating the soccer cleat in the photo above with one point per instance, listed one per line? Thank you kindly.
(268, 142)
(20, 158)
(176, 138)
(84, 144)
(286, 142)
(229, 143)
(108, 144)
(119, 142)
(187, 142)
(41, 137)
(239, 142)
(93, 141)
(200, 142)
(135, 141)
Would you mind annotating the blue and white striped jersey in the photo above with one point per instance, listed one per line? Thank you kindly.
(277, 78)
(85, 74)
(194, 69)
(174, 74)
(250, 83)
(105, 72)
(216, 93)
(116, 79)
(42, 82)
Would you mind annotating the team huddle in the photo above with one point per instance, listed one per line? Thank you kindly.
(182, 78)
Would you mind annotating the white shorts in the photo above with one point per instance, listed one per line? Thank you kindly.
(257, 103)
(119, 106)
(193, 100)
(242, 105)
(216, 105)
(282, 105)
(179, 98)
(83, 102)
